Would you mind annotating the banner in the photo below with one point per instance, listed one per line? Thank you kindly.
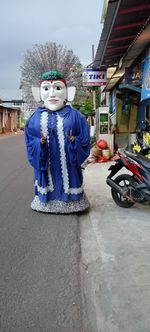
(93, 77)
(145, 93)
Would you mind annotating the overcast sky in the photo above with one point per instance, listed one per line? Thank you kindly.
(74, 24)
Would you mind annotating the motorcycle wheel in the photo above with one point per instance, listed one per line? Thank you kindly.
(126, 182)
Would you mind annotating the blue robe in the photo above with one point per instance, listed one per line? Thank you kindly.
(57, 164)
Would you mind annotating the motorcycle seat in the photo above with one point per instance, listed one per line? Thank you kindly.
(139, 158)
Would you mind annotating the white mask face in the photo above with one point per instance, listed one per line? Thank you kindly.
(54, 94)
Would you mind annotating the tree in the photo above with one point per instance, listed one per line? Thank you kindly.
(84, 103)
(44, 57)
(86, 108)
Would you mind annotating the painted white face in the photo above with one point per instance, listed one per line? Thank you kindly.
(54, 94)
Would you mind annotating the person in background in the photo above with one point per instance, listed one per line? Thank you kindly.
(58, 142)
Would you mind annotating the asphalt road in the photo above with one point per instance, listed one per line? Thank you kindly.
(39, 254)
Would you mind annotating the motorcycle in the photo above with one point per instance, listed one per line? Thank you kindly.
(126, 189)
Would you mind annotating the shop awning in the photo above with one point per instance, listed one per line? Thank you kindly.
(125, 35)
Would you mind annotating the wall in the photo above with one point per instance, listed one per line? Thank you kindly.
(126, 123)
(9, 119)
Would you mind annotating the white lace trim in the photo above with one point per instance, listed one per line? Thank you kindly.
(42, 190)
(75, 190)
(63, 162)
(64, 171)
(44, 123)
(44, 130)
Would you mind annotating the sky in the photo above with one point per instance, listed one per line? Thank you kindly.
(75, 24)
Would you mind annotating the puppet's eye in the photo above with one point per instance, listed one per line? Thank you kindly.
(58, 87)
(46, 88)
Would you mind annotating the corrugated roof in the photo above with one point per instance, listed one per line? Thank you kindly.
(11, 108)
(123, 22)
(135, 49)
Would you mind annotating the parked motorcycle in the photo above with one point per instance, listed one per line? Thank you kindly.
(126, 189)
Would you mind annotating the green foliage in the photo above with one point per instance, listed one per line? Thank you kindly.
(75, 105)
(86, 107)
(23, 123)
(85, 103)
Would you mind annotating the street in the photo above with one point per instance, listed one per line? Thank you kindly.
(70, 273)
(40, 254)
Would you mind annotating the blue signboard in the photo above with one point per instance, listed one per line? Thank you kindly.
(93, 77)
(145, 94)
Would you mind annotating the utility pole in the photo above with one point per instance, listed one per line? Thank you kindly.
(93, 89)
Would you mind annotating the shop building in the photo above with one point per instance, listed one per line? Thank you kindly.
(124, 52)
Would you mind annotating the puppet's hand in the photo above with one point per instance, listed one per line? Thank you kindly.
(43, 139)
(72, 138)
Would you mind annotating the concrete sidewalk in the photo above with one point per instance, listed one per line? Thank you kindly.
(115, 264)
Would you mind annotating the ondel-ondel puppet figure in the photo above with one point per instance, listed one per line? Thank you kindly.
(57, 142)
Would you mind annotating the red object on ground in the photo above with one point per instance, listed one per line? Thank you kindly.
(102, 159)
(115, 157)
(102, 144)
